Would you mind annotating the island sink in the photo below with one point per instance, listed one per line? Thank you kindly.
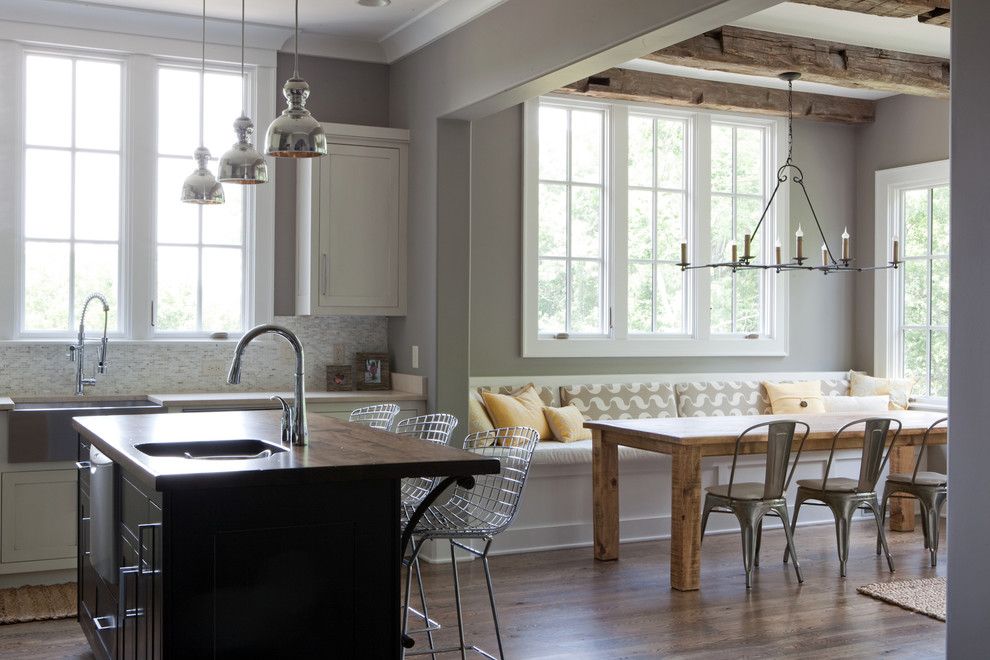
(210, 449)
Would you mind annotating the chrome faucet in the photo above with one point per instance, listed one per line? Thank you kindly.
(293, 418)
(77, 352)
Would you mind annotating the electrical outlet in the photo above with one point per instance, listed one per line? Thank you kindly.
(415, 357)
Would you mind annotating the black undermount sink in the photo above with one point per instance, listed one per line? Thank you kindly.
(221, 450)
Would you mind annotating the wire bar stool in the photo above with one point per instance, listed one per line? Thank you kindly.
(436, 428)
(379, 416)
(844, 496)
(479, 513)
(751, 502)
(930, 488)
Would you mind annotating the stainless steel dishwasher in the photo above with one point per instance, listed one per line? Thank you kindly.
(102, 537)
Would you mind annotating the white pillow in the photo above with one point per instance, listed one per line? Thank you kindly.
(875, 403)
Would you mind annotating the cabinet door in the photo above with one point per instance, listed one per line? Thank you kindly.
(38, 515)
(360, 229)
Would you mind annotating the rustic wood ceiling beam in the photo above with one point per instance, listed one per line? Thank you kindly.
(932, 12)
(753, 52)
(629, 85)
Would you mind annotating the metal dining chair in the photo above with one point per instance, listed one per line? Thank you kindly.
(844, 496)
(930, 488)
(380, 416)
(438, 429)
(750, 502)
(478, 513)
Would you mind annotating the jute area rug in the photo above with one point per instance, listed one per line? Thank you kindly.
(925, 596)
(37, 603)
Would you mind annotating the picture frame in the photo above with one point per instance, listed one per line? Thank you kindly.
(340, 377)
(372, 372)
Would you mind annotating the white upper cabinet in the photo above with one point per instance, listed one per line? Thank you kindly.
(351, 224)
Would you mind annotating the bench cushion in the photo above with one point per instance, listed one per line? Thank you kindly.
(579, 452)
(621, 400)
(722, 397)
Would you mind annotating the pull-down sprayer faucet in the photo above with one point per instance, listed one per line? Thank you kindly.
(78, 351)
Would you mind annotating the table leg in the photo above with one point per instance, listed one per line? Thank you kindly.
(902, 508)
(605, 484)
(685, 520)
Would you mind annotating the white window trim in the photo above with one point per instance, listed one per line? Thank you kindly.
(138, 150)
(889, 184)
(699, 342)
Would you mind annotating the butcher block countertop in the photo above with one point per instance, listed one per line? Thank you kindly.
(337, 450)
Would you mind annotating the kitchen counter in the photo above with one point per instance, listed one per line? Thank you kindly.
(206, 399)
(337, 450)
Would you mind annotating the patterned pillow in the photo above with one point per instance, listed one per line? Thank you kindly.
(621, 400)
(548, 395)
(835, 387)
(722, 397)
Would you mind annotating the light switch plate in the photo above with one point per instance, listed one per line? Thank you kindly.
(415, 357)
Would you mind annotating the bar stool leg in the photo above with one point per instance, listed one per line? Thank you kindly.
(426, 609)
(491, 597)
(457, 601)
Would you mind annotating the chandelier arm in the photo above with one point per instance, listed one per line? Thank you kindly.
(766, 209)
(814, 215)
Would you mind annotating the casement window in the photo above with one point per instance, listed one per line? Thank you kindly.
(611, 190)
(101, 145)
(912, 323)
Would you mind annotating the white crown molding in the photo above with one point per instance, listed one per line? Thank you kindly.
(439, 19)
(325, 45)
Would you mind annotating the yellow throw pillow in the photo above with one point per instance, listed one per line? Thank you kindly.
(478, 419)
(524, 408)
(787, 398)
(899, 389)
(566, 424)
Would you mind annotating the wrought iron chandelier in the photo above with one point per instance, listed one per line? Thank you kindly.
(829, 264)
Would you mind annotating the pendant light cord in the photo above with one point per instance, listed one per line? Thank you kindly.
(202, 80)
(790, 120)
(243, 100)
(295, 61)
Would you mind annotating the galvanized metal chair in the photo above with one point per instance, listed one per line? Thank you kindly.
(844, 496)
(930, 488)
(479, 513)
(751, 502)
(378, 416)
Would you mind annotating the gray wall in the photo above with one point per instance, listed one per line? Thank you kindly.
(821, 309)
(343, 92)
(908, 130)
(490, 64)
(969, 378)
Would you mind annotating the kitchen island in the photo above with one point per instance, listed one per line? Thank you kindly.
(201, 535)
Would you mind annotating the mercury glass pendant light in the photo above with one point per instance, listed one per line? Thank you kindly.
(242, 163)
(201, 187)
(295, 133)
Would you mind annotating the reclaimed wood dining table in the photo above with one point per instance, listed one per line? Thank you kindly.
(689, 439)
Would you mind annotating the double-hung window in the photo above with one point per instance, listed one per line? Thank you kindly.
(71, 190)
(611, 190)
(912, 318)
(101, 145)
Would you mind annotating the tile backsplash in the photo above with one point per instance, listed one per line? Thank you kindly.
(42, 369)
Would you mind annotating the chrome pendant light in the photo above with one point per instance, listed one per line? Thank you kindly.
(295, 133)
(242, 163)
(201, 187)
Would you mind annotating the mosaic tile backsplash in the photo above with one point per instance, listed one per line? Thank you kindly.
(42, 369)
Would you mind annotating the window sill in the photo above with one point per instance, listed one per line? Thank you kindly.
(64, 341)
(930, 405)
(642, 347)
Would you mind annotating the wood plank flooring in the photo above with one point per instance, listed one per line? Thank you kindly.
(563, 604)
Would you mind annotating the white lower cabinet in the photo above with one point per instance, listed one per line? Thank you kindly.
(37, 520)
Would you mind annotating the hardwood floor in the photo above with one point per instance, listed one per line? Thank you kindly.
(563, 604)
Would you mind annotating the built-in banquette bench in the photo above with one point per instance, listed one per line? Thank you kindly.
(556, 509)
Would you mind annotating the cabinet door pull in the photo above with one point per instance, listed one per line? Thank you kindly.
(323, 274)
(102, 623)
(153, 528)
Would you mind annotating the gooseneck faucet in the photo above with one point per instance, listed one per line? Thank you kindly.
(292, 418)
(77, 352)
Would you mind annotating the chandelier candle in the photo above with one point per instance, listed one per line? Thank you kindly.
(799, 235)
(824, 255)
(735, 251)
(776, 248)
(746, 253)
(684, 252)
(897, 246)
(845, 245)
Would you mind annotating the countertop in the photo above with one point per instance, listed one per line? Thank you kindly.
(231, 398)
(337, 450)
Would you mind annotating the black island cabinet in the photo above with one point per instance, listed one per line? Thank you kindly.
(295, 555)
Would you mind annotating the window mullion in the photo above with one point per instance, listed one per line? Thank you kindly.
(140, 181)
(617, 191)
(701, 231)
